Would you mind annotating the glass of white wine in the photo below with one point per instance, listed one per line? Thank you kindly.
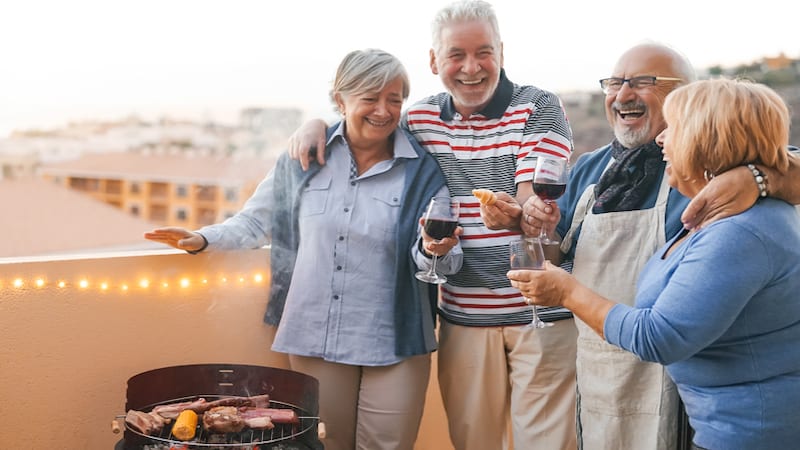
(527, 253)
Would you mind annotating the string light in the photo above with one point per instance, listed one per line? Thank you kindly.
(86, 283)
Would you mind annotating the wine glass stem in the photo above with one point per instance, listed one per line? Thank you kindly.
(542, 232)
(535, 314)
(432, 272)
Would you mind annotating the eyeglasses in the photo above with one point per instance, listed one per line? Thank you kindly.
(613, 85)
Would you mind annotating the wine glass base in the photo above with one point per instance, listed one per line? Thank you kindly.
(428, 278)
(539, 324)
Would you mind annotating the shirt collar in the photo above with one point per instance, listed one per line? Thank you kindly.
(497, 104)
(402, 146)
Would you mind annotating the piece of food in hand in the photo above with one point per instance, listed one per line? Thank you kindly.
(485, 196)
(185, 425)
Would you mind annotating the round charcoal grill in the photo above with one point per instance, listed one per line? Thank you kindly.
(169, 385)
(248, 437)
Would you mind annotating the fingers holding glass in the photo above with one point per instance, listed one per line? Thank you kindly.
(527, 253)
(441, 220)
(549, 183)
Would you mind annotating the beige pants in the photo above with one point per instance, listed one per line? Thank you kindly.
(487, 373)
(369, 408)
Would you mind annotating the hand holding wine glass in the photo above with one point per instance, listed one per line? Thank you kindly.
(549, 183)
(527, 253)
(441, 220)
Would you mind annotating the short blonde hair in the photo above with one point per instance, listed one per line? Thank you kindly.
(368, 70)
(720, 124)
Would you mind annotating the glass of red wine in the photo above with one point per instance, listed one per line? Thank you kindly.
(527, 253)
(441, 220)
(549, 183)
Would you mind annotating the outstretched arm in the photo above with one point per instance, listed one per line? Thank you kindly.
(555, 287)
(307, 140)
(736, 190)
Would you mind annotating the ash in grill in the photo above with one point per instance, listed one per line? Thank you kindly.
(292, 396)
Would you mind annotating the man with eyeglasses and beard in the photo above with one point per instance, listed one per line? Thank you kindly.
(617, 211)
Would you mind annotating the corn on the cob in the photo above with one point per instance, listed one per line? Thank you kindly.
(185, 425)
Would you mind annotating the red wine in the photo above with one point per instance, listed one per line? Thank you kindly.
(548, 191)
(440, 229)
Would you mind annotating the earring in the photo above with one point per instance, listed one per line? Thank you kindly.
(708, 175)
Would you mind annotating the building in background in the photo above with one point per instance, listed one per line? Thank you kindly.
(40, 218)
(183, 190)
(115, 179)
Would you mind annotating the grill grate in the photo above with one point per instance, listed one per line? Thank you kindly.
(246, 439)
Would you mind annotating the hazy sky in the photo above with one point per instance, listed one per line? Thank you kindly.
(101, 59)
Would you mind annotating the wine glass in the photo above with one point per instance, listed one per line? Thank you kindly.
(441, 220)
(549, 183)
(527, 253)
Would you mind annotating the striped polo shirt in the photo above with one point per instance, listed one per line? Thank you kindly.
(495, 149)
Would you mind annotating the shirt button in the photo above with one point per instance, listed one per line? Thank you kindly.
(336, 297)
(352, 183)
(338, 267)
(341, 238)
(346, 209)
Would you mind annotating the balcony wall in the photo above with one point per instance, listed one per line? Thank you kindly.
(74, 330)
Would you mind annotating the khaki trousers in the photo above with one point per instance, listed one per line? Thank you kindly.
(369, 408)
(489, 373)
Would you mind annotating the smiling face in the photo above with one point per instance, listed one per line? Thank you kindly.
(370, 117)
(635, 114)
(468, 62)
(676, 177)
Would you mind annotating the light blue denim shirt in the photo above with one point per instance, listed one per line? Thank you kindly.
(340, 302)
(339, 305)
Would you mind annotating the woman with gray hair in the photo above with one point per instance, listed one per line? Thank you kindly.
(343, 294)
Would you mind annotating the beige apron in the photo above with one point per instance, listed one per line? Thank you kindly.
(623, 402)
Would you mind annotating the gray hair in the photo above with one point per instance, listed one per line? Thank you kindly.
(368, 70)
(463, 11)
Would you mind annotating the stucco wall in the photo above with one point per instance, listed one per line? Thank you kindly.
(67, 351)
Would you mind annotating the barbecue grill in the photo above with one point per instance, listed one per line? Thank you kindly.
(287, 389)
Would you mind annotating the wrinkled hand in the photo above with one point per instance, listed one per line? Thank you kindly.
(442, 246)
(180, 238)
(729, 193)
(306, 140)
(537, 214)
(548, 287)
(504, 214)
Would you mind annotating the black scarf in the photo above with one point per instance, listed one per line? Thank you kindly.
(625, 185)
